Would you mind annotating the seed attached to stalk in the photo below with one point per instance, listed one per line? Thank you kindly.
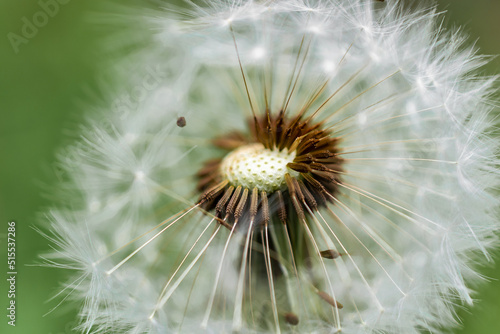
(280, 174)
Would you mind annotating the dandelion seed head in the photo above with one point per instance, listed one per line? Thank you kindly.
(335, 175)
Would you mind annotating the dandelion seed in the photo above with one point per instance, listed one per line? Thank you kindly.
(181, 122)
(337, 175)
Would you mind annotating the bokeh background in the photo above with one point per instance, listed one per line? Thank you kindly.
(43, 90)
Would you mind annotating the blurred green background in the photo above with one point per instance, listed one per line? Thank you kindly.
(42, 88)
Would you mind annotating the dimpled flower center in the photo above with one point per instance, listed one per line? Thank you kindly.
(253, 166)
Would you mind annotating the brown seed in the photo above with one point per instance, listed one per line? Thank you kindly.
(241, 205)
(281, 207)
(307, 158)
(299, 167)
(330, 254)
(318, 166)
(315, 183)
(298, 208)
(225, 198)
(254, 202)
(308, 196)
(291, 318)
(181, 122)
(300, 195)
(232, 202)
(212, 192)
(330, 300)
(323, 154)
(265, 207)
